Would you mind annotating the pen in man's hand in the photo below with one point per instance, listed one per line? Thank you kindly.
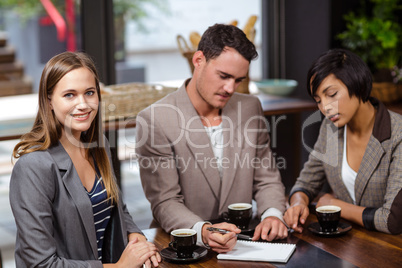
(290, 230)
(222, 231)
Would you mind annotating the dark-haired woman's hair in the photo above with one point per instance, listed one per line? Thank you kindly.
(345, 66)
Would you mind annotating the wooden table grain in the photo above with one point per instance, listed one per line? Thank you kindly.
(276, 105)
(161, 239)
(357, 248)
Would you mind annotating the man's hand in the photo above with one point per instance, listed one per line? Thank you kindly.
(270, 228)
(220, 242)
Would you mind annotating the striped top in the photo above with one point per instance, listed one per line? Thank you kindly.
(102, 208)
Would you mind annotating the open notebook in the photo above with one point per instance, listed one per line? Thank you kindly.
(259, 251)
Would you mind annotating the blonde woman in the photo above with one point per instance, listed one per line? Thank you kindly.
(63, 193)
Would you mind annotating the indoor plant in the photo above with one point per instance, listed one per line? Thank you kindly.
(374, 33)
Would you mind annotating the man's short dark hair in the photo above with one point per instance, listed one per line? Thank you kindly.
(345, 66)
(219, 36)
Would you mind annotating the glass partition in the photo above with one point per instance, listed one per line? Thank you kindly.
(150, 51)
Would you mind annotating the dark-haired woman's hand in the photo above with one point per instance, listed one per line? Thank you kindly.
(296, 214)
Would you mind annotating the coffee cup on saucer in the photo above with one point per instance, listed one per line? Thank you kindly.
(183, 241)
(240, 214)
(328, 218)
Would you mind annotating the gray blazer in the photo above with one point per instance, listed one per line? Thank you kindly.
(378, 184)
(55, 223)
(177, 168)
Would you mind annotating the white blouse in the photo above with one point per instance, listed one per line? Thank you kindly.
(348, 174)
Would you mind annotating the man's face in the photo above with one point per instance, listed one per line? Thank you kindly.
(218, 78)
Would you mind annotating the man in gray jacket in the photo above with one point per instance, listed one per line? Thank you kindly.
(204, 147)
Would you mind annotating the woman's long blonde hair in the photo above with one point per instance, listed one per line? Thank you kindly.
(47, 130)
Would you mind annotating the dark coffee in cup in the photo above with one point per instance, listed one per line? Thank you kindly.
(184, 242)
(240, 214)
(328, 217)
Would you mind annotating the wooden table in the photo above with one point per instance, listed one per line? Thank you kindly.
(275, 105)
(357, 248)
(16, 121)
(17, 114)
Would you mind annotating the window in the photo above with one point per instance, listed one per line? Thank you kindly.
(154, 53)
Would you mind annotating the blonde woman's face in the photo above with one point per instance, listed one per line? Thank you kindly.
(75, 101)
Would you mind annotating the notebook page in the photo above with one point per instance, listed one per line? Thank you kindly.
(259, 251)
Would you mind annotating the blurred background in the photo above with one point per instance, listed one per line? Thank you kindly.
(144, 30)
(135, 41)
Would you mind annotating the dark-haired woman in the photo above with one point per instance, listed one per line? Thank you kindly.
(358, 151)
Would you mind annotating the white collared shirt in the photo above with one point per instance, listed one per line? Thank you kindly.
(215, 134)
